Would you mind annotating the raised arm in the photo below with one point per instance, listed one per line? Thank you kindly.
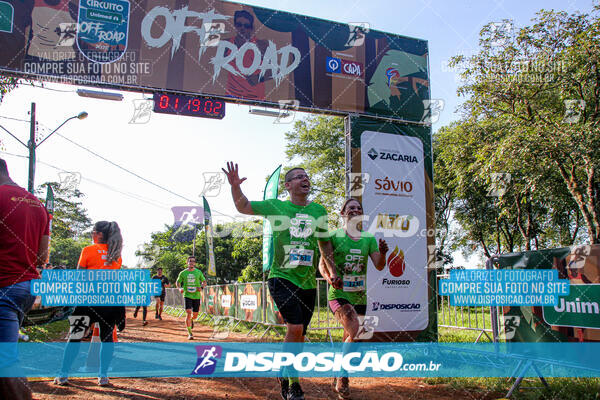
(378, 257)
(326, 250)
(240, 200)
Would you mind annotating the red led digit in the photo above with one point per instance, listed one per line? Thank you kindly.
(196, 103)
(218, 107)
(164, 101)
(188, 104)
(210, 106)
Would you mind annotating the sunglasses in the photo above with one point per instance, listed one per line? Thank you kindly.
(240, 25)
(300, 176)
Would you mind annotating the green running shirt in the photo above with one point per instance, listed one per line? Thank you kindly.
(296, 230)
(351, 258)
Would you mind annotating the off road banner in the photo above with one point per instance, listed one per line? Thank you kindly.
(390, 170)
(215, 48)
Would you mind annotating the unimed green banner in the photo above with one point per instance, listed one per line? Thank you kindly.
(576, 317)
(580, 309)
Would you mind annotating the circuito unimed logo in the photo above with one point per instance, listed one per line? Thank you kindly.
(207, 359)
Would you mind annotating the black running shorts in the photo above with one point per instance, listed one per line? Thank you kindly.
(296, 305)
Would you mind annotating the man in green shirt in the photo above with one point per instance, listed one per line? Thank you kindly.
(190, 282)
(299, 234)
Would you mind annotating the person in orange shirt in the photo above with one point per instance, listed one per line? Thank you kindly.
(105, 253)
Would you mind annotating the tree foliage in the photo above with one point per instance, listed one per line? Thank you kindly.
(539, 91)
(530, 117)
(71, 226)
(317, 144)
(237, 248)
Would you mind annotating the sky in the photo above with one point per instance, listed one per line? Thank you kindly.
(175, 152)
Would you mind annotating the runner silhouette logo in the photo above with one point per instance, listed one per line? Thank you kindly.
(207, 359)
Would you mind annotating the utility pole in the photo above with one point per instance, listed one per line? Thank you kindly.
(31, 147)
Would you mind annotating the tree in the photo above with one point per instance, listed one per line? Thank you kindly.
(71, 225)
(237, 247)
(542, 86)
(317, 144)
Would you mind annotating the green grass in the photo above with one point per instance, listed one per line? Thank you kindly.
(53, 332)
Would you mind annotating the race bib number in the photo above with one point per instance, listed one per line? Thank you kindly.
(301, 257)
(354, 283)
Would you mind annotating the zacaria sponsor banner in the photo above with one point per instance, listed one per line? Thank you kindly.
(216, 48)
(396, 200)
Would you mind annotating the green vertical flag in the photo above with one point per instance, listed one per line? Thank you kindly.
(208, 229)
(50, 203)
(271, 192)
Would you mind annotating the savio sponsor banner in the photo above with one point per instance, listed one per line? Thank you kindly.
(395, 199)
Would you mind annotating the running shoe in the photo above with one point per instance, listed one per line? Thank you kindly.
(285, 387)
(103, 381)
(61, 380)
(135, 314)
(156, 316)
(295, 392)
(190, 336)
(144, 323)
(344, 390)
(159, 318)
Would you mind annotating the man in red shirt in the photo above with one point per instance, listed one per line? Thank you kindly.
(24, 240)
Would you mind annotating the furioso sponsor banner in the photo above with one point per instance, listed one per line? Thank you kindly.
(216, 48)
(395, 200)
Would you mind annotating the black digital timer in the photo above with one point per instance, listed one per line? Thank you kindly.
(189, 105)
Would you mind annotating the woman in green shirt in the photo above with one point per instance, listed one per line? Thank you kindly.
(351, 249)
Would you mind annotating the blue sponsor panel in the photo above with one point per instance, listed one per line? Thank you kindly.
(317, 359)
(99, 287)
(534, 287)
(103, 26)
(333, 65)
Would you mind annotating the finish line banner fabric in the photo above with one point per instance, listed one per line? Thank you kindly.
(390, 170)
(216, 48)
(228, 359)
(576, 317)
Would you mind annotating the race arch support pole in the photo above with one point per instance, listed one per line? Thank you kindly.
(489, 265)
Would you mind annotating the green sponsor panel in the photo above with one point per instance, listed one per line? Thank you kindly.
(580, 309)
(218, 306)
(249, 302)
(273, 314)
(7, 15)
(572, 319)
(377, 153)
(204, 301)
(210, 304)
(228, 301)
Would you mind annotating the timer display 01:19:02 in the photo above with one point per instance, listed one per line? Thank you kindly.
(189, 105)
